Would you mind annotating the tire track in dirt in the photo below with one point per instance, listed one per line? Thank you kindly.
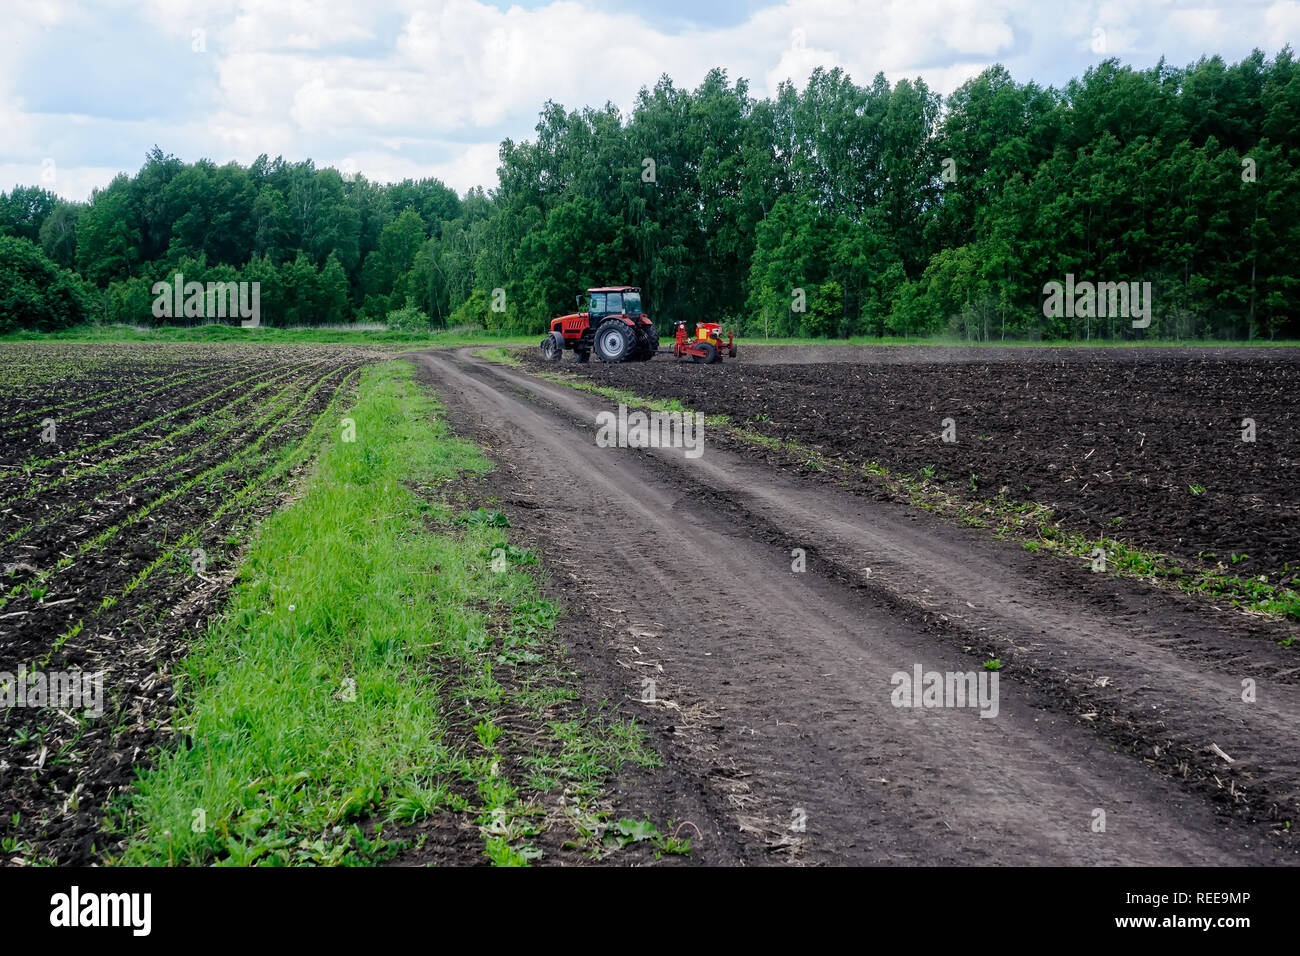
(781, 681)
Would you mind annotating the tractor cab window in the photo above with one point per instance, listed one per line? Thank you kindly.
(632, 303)
(597, 306)
(615, 303)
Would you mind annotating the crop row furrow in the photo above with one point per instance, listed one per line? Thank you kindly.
(195, 378)
(137, 452)
(289, 458)
(37, 584)
(82, 400)
(120, 436)
(275, 404)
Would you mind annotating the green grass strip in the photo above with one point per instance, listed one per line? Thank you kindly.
(311, 699)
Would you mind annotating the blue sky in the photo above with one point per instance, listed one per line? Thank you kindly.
(396, 88)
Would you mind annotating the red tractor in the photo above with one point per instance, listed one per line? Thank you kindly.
(614, 327)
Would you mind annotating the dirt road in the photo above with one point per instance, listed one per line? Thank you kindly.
(1118, 708)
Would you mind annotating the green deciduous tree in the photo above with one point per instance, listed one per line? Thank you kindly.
(35, 293)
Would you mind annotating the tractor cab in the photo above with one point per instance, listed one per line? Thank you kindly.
(611, 301)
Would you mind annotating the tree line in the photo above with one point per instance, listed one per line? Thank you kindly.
(832, 210)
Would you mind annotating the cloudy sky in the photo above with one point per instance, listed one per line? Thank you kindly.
(397, 88)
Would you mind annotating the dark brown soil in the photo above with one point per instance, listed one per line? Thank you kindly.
(1119, 442)
(667, 795)
(775, 685)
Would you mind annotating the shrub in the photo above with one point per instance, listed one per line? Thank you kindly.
(129, 302)
(35, 293)
(408, 319)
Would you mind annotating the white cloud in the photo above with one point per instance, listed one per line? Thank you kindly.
(1203, 23)
(798, 62)
(472, 165)
(41, 13)
(70, 182)
(461, 64)
(300, 24)
(1105, 30)
(394, 85)
(476, 165)
(1283, 21)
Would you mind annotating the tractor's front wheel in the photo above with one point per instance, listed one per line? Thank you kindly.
(710, 354)
(583, 355)
(552, 347)
(614, 341)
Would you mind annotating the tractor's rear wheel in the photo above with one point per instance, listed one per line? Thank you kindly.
(614, 341)
(710, 354)
(552, 347)
(651, 346)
